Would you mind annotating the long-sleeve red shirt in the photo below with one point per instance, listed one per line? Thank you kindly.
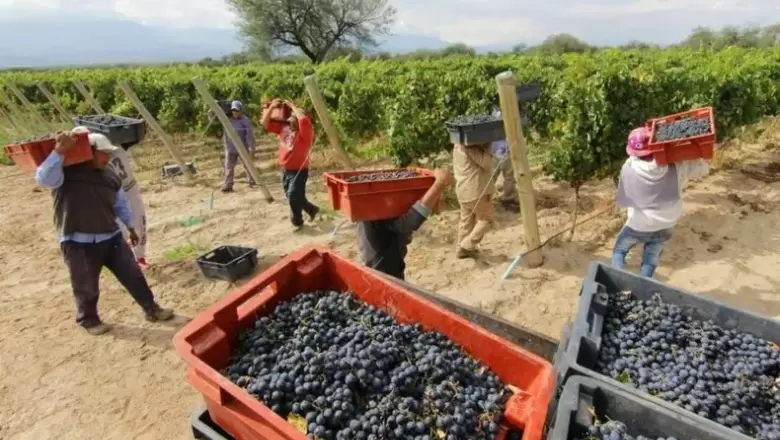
(294, 147)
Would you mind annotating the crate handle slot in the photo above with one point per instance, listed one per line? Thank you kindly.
(598, 309)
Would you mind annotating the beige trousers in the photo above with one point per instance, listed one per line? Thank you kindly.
(476, 219)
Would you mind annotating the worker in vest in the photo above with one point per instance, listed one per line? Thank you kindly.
(88, 199)
(120, 164)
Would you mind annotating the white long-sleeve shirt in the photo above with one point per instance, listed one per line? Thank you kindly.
(120, 163)
(650, 220)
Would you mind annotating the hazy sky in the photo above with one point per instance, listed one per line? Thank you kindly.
(474, 22)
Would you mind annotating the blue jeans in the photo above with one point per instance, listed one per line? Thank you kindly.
(651, 254)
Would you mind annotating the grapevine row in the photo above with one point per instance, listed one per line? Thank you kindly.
(588, 103)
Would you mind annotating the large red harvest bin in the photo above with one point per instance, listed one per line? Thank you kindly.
(28, 156)
(208, 341)
(697, 147)
(376, 200)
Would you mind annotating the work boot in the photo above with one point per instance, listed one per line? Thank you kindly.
(465, 253)
(314, 213)
(227, 189)
(97, 330)
(159, 314)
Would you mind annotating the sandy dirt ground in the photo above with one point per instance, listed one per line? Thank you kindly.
(58, 382)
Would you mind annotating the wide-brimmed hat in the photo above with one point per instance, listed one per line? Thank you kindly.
(638, 143)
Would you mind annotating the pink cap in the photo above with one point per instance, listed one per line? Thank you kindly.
(638, 141)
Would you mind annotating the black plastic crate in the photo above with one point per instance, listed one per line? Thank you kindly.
(175, 170)
(476, 134)
(584, 340)
(120, 130)
(228, 263)
(586, 399)
(203, 428)
(525, 93)
(224, 104)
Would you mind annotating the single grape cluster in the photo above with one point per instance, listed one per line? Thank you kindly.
(466, 120)
(615, 430)
(682, 129)
(353, 372)
(385, 175)
(725, 375)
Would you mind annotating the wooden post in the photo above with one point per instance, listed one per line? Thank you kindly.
(30, 107)
(14, 130)
(510, 111)
(322, 111)
(231, 133)
(88, 96)
(149, 119)
(55, 103)
(15, 114)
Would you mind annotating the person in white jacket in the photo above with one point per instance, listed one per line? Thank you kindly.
(120, 164)
(652, 196)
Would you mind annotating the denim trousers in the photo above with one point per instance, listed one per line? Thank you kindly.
(294, 184)
(653, 245)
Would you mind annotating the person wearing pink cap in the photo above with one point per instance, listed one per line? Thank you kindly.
(652, 196)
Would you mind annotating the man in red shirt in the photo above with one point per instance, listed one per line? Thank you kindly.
(296, 134)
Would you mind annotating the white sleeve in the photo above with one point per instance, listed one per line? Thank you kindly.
(120, 163)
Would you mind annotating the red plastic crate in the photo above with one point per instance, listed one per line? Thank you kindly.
(697, 147)
(28, 156)
(207, 342)
(376, 200)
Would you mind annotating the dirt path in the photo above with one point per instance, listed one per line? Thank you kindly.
(57, 382)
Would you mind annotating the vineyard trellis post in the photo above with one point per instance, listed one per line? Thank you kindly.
(88, 97)
(510, 111)
(149, 119)
(207, 97)
(327, 124)
(30, 107)
(14, 130)
(67, 117)
(15, 114)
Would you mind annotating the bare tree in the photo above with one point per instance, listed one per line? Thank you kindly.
(313, 26)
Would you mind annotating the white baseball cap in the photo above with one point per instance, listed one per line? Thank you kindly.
(98, 141)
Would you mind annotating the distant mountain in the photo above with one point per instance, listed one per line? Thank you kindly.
(45, 41)
(55, 41)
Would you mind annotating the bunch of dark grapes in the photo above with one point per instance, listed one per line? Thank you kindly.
(724, 375)
(353, 372)
(45, 137)
(388, 175)
(465, 120)
(682, 129)
(614, 430)
(109, 120)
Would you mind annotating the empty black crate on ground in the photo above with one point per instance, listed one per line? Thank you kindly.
(203, 428)
(584, 340)
(582, 397)
(476, 134)
(120, 130)
(228, 263)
